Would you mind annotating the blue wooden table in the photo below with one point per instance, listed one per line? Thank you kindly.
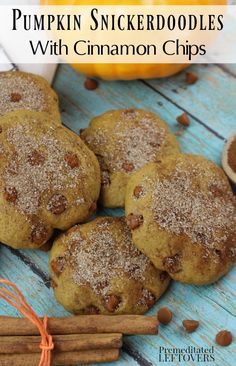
(211, 105)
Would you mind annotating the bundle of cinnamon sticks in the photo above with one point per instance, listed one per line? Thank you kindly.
(78, 339)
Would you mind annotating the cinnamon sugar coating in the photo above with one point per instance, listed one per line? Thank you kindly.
(39, 190)
(25, 91)
(96, 266)
(124, 141)
(189, 218)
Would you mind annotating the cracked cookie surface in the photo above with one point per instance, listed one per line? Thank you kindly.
(184, 219)
(124, 141)
(49, 179)
(96, 269)
(25, 91)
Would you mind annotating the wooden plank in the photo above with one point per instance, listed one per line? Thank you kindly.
(196, 139)
(37, 294)
(214, 305)
(120, 95)
(229, 69)
(34, 289)
(206, 100)
(80, 105)
(189, 302)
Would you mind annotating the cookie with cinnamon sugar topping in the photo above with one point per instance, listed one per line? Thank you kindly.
(24, 91)
(124, 141)
(185, 218)
(49, 179)
(96, 269)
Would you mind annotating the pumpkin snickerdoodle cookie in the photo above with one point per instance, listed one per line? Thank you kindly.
(182, 214)
(25, 91)
(49, 179)
(95, 268)
(124, 141)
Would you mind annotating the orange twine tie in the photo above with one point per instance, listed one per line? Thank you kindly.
(20, 303)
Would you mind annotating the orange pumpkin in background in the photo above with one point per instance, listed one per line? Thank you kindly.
(131, 71)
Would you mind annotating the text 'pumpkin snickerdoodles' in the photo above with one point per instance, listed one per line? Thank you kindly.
(49, 179)
(96, 269)
(25, 91)
(124, 141)
(184, 217)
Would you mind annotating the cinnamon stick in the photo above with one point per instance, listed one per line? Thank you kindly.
(62, 343)
(88, 324)
(61, 358)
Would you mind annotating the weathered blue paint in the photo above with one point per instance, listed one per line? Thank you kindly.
(211, 103)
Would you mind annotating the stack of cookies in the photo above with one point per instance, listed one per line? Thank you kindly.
(180, 213)
(180, 210)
